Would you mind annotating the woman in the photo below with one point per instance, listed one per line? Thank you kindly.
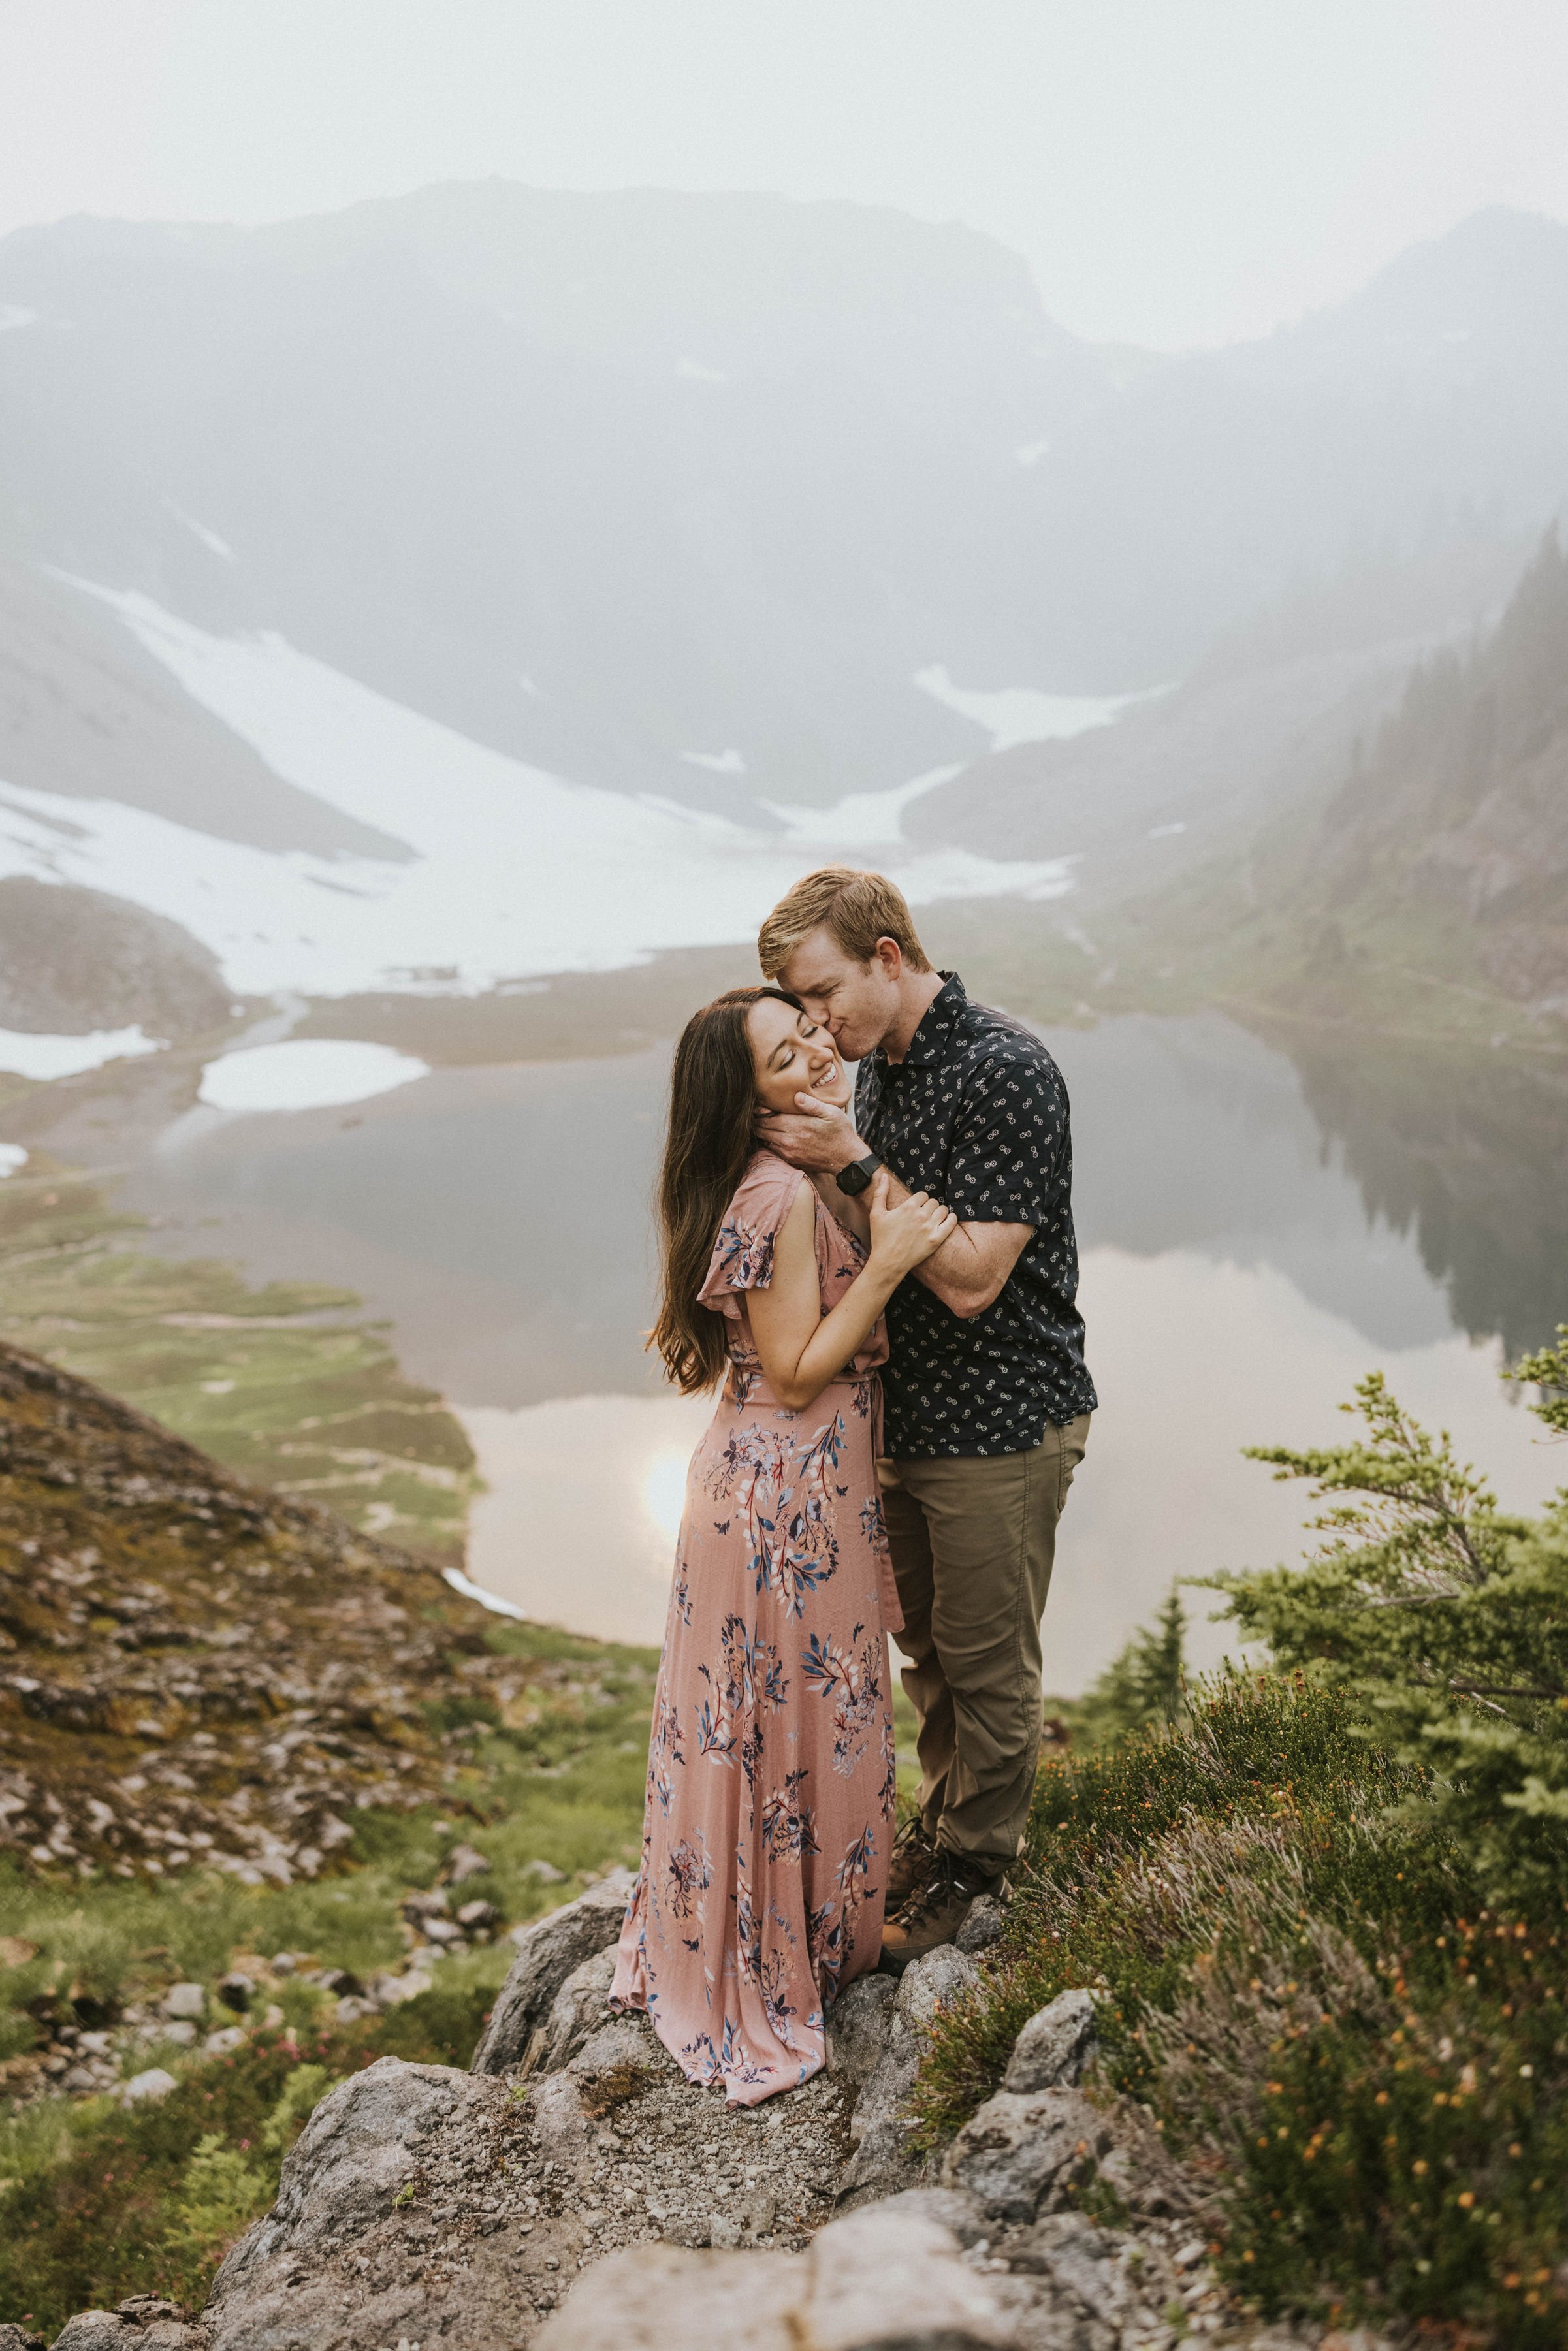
(770, 1774)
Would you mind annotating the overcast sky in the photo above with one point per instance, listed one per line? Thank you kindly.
(1175, 171)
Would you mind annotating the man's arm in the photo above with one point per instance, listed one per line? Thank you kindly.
(970, 1269)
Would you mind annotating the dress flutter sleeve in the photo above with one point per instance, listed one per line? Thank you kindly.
(743, 1254)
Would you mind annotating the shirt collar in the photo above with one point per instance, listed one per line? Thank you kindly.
(937, 1023)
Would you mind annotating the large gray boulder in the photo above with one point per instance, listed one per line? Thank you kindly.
(857, 2028)
(1017, 2153)
(883, 2161)
(1054, 2045)
(548, 1952)
(880, 2280)
(579, 2008)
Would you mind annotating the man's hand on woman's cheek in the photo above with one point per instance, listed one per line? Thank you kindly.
(817, 1138)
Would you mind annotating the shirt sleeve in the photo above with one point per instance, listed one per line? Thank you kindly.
(1011, 1146)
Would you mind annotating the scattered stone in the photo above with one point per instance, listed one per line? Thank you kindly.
(953, 2208)
(478, 1918)
(17, 2338)
(544, 1872)
(985, 1924)
(341, 1982)
(284, 1963)
(548, 1951)
(463, 1863)
(150, 2086)
(187, 2000)
(181, 2033)
(420, 1908)
(227, 2037)
(1019, 2153)
(1054, 2045)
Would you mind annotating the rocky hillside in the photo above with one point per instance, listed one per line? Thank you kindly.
(194, 1670)
(573, 2190)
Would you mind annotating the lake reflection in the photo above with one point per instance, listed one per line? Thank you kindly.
(1235, 1287)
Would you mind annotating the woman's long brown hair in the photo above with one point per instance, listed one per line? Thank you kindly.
(708, 1145)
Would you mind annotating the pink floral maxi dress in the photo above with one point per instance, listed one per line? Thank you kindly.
(771, 1786)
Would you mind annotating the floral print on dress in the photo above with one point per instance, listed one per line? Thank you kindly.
(770, 1791)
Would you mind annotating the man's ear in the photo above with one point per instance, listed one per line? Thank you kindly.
(890, 955)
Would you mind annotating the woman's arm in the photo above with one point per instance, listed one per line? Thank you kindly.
(800, 1348)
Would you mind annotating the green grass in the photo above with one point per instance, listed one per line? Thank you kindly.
(100, 2201)
(280, 1383)
(1364, 2065)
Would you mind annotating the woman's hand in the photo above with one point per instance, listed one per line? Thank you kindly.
(903, 1236)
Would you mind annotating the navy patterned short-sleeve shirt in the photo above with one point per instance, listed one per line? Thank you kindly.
(977, 1115)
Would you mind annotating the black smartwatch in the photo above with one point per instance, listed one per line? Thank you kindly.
(856, 1178)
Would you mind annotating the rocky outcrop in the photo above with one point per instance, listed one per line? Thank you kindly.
(599, 2202)
(548, 1954)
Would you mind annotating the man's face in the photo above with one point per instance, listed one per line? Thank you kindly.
(856, 1003)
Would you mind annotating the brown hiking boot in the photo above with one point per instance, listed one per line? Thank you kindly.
(914, 1851)
(933, 1913)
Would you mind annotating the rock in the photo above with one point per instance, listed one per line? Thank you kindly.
(235, 1992)
(1017, 2153)
(1124, 2281)
(650, 2298)
(478, 1918)
(559, 2117)
(297, 2277)
(420, 1908)
(17, 2338)
(578, 2008)
(724, 2229)
(181, 2033)
(953, 2208)
(857, 2025)
(1054, 2045)
(985, 1924)
(935, 1981)
(284, 1963)
(391, 1992)
(352, 2009)
(546, 1954)
(94, 2330)
(883, 2162)
(623, 2045)
(342, 1982)
(881, 2279)
(544, 1873)
(154, 2083)
(227, 2037)
(186, 2001)
(444, 1931)
(464, 1863)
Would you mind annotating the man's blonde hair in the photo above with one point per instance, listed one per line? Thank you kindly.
(855, 908)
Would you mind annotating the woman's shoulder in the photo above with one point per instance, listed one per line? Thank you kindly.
(742, 1252)
(770, 1179)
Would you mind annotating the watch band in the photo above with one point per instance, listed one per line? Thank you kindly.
(856, 1178)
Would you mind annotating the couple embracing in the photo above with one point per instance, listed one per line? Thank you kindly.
(880, 1281)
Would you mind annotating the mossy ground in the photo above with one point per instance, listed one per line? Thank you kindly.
(100, 2201)
(282, 1383)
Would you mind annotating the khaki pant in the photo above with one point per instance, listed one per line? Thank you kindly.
(973, 1543)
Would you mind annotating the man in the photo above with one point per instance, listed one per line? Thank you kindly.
(987, 1396)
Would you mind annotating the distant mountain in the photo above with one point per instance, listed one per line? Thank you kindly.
(677, 493)
(1456, 826)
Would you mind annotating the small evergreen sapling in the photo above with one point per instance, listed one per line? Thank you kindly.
(1447, 1622)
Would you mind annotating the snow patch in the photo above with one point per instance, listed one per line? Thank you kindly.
(12, 1158)
(306, 1074)
(28, 1055)
(717, 763)
(514, 873)
(1018, 713)
(209, 539)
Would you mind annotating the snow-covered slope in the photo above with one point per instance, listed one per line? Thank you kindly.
(503, 871)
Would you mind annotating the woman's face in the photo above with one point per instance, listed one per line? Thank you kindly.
(791, 1055)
